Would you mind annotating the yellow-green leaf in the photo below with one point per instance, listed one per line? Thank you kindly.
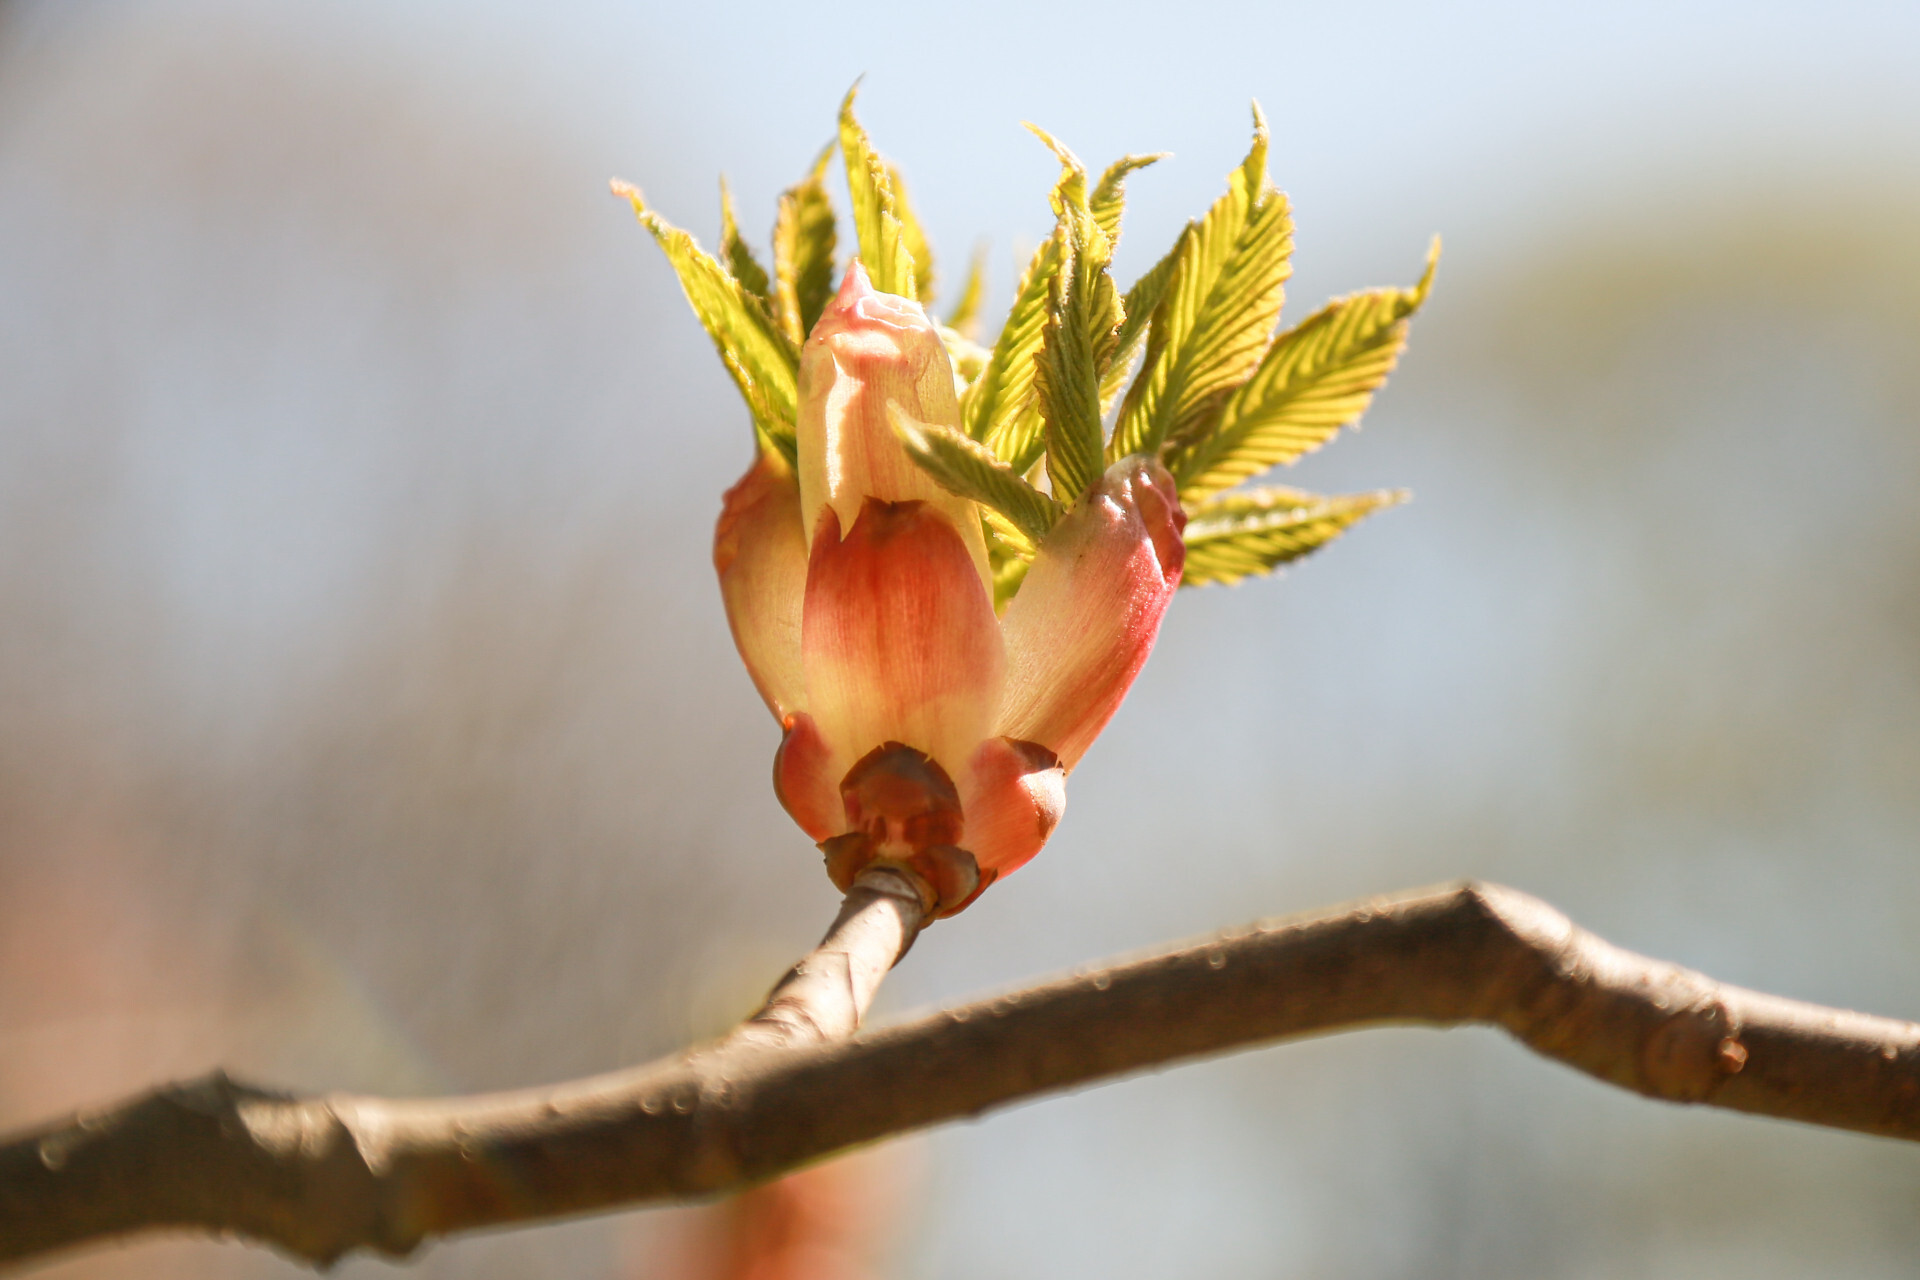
(1141, 304)
(885, 244)
(1009, 571)
(1242, 534)
(964, 319)
(739, 259)
(1083, 315)
(1317, 378)
(998, 408)
(804, 238)
(968, 469)
(968, 356)
(1109, 195)
(763, 360)
(915, 236)
(1218, 314)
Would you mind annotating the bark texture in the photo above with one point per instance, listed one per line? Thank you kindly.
(322, 1176)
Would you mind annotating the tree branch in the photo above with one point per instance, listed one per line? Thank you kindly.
(319, 1177)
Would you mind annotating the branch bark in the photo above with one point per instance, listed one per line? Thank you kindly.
(320, 1177)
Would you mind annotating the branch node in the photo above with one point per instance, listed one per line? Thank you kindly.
(1692, 1052)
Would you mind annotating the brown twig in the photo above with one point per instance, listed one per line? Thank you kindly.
(824, 997)
(318, 1177)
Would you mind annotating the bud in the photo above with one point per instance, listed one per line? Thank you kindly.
(920, 729)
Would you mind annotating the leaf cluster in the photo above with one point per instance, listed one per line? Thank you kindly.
(1187, 365)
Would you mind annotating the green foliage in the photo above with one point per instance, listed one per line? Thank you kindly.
(1142, 303)
(804, 238)
(880, 227)
(1317, 378)
(1216, 398)
(915, 237)
(1008, 573)
(1258, 530)
(741, 263)
(1109, 197)
(964, 466)
(968, 356)
(1218, 312)
(763, 360)
(964, 319)
(999, 408)
(1078, 339)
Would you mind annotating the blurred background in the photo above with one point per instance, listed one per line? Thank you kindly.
(368, 719)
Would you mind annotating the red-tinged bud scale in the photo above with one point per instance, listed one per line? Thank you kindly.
(921, 730)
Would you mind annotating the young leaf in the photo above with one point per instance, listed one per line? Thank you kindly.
(1318, 377)
(1109, 194)
(968, 469)
(741, 264)
(915, 236)
(1005, 539)
(964, 319)
(1001, 408)
(1239, 535)
(763, 360)
(883, 238)
(803, 243)
(968, 356)
(998, 407)
(1008, 573)
(1219, 312)
(1083, 315)
(1142, 303)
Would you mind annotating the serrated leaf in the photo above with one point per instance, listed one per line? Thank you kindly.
(739, 259)
(1141, 304)
(1317, 378)
(882, 235)
(804, 238)
(998, 408)
(763, 360)
(1005, 540)
(1083, 315)
(968, 357)
(915, 236)
(1218, 314)
(1008, 573)
(1109, 196)
(1078, 344)
(964, 319)
(1242, 534)
(968, 469)
(1010, 554)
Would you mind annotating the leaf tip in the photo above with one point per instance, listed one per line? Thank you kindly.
(846, 103)
(906, 428)
(1425, 286)
(821, 161)
(1061, 151)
